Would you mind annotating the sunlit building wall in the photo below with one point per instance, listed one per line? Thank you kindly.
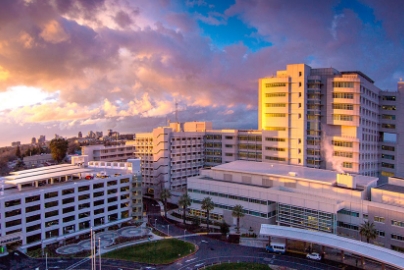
(320, 118)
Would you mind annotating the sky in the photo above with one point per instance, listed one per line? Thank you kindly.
(79, 65)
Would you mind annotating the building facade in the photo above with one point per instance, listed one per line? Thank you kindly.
(51, 204)
(100, 152)
(301, 197)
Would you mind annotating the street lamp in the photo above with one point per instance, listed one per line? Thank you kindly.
(168, 230)
(155, 225)
(184, 233)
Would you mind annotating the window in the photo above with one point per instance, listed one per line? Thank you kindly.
(342, 117)
(52, 213)
(379, 219)
(32, 199)
(276, 114)
(397, 237)
(391, 98)
(388, 148)
(388, 117)
(32, 208)
(342, 95)
(342, 106)
(13, 223)
(348, 226)
(13, 213)
(278, 94)
(98, 194)
(228, 154)
(68, 191)
(68, 209)
(228, 137)
(275, 158)
(84, 197)
(114, 183)
(276, 128)
(348, 212)
(391, 126)
(51, 204)
(343, 84)
(68, 200)
(269, 85)
(51, 195)
(387, 165)
(33, 218)
(271, 139)
(275, 105)
(123, 181)
(385, 156)
(397, 223)
(84, 188)
(99, 185)
(274, 149)
(343, 154)
(342, 143)
(12, 203)
(347, 165)
(389, 107)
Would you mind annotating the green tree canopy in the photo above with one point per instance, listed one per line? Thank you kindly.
(18, 152)
(165, 194)
(58, 149)
(207, 205)
(238, 213)
(368, 231)
(184, 202)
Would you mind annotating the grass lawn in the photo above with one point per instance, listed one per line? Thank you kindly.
(239, 266)
(155, 252)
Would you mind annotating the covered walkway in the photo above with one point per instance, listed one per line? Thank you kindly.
(383, 255)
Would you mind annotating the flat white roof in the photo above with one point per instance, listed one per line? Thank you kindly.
(46, 175)
(300, 172)
(50, 169)
(380, 254)
(41, 169)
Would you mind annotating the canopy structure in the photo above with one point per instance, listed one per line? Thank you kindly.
(45, 174)
(376, 253)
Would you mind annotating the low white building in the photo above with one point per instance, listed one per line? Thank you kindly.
(301, 197)
(48, 205)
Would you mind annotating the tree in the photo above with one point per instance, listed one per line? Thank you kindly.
(368, 231)
(184, 202)
(224, 228)
(58, 149)
(207, 205)
(18, 152)
(165, 194)
(238, 213)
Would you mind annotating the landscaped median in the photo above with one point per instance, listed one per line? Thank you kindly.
(153, 252)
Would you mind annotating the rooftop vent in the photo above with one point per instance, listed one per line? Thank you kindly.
(293, 173)
(346, 180)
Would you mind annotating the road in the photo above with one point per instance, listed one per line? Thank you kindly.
(210, 251)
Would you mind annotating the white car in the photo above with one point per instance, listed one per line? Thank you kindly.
(204, 241)
(314, 256)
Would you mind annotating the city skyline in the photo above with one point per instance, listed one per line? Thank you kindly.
(68, 66)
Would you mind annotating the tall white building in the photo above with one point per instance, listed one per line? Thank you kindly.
(320, 118)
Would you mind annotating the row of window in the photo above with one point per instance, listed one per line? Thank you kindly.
(276, 94)
(342, 117)
(268, 85)
(275, 105)
(229, 196)
(342, 106)
(275, 149)
(275, 139)
(275, 114)
(275, 158)
(343, 84)
(343, 154)
(343, 95)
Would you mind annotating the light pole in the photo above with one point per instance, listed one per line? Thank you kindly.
(184, 233)
(155, 223)
(99, 249)
(46, 260)
(168, 230)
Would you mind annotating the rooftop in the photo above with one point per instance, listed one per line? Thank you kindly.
(393, 188)
(290, 171)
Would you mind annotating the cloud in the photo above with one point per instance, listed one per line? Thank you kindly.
(53, 33)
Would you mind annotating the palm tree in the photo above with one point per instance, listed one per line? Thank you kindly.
(165, 194)
(184, 202)
(207, 205)
(238, 213)
(368, 230)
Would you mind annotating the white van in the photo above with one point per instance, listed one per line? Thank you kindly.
(276, 248)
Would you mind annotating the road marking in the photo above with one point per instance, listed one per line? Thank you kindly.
(190, 260)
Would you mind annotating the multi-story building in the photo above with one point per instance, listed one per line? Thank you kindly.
(47, 205)
(391, 132)
(324, 118)
(301, 197)
(100, 152)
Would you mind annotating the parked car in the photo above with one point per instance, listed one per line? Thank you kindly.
(89, 177)
(314, 256)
